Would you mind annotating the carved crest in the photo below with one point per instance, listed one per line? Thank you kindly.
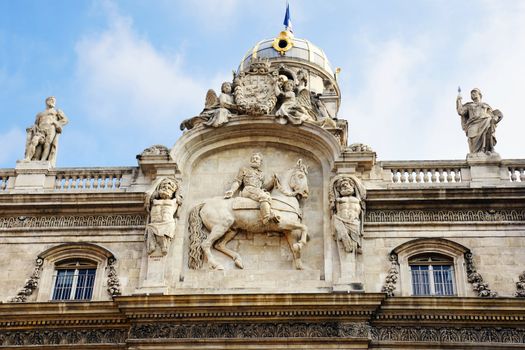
(255, 89)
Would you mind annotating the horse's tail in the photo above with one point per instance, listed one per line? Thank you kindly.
(197, 235)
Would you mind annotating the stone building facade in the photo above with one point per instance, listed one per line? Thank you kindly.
(262, 228)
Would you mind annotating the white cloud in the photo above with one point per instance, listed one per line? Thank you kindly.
(125, 80)
(405, 108)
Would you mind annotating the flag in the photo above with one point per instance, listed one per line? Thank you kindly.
(287, 19)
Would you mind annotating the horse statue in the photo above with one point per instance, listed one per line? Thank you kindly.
(223, 217)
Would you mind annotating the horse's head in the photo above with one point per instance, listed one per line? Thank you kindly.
(298, 181)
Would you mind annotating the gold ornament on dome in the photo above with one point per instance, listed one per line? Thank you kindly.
(283, 42)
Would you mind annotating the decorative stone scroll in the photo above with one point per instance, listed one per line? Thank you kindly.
(113, 280)
(30, 285)
(520, 286)
(360, 147)
(404, 216)
(393, 274)
(15, 222)
(250, 330)
(156, 150)
(475, 278)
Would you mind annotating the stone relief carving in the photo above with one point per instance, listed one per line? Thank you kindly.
(381, 216)
(17, 222)
(393, 274)
(475, 278)
(520, 286)
(63, 336)
(479, 122)
(254, 90)
(113, 280)
(156, 150)
(217, 110)
(448, 334)
(252, 211)
(30, 285)
(42, 137)
(250, 330)
(360, 147)
(347, 203)
(162, 201)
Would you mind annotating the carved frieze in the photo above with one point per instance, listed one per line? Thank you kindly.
(64, 221)
(63, 336)
(250, 330)
(448, 334)
(385, 216)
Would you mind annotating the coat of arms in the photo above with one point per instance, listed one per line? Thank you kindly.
(255, 89)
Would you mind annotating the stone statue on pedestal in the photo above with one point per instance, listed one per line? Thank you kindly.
(479, 121)
(42, 137)
(162, 203)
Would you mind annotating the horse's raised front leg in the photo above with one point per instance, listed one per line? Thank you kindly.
(221, 246)
(216, 232)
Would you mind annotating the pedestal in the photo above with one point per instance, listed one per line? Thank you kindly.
(484, 169)
(348, 281)
(153, 280)
(31, 175)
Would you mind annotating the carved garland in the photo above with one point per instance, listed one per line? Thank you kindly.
(30, 285)
(72, 221)
(113, 280)
(475, 278)
(393, 274)
(520, 286)
(383, 216)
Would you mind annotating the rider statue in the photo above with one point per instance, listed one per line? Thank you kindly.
(251, 179)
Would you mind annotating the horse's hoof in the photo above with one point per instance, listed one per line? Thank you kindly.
(217, 267)
(238, 263)
(299, 265)
(297, 247)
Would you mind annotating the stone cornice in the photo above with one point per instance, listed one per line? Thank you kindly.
(448, 310)
(91, 202)
(252, 306)
(29, 315)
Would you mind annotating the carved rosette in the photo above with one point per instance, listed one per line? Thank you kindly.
(30, 285)
(393, 274)
(254, 90)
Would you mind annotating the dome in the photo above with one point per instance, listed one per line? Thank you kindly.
(286, 46)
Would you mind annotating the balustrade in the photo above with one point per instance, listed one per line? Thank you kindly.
(83, 179)
(517, 174)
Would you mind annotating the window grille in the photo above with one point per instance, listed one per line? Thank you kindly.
(432, 275)
(74, 280)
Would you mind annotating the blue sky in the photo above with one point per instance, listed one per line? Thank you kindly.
(127, 72)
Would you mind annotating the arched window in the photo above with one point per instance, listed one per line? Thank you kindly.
(432, 274)
(75, 272)
(431, 267)
(74, 279)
